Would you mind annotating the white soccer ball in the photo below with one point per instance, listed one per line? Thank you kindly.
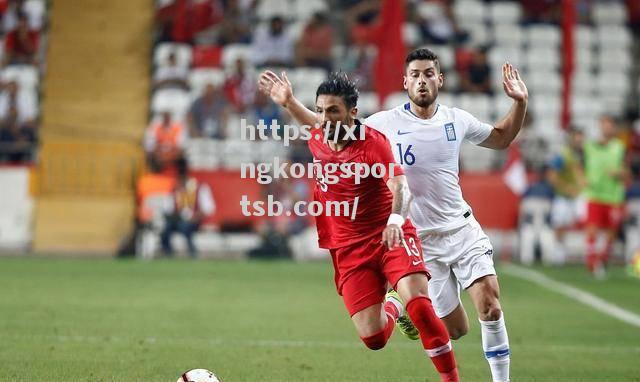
(198, 375)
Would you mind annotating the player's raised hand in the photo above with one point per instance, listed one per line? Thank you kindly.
(278, 88)
(513, 86)
(392, 236)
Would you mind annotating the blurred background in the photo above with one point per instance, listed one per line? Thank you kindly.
(120, 120)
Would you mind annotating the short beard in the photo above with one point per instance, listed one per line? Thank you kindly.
(423, 102)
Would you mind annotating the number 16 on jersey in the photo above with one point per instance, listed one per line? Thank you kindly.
(406, 156)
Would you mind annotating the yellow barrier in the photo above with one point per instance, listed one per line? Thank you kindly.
(89, 168)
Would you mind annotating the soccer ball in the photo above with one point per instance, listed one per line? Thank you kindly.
(198, 375)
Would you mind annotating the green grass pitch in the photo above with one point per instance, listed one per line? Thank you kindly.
(110, 320)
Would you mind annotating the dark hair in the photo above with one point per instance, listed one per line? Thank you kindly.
(422, 54)
(339, 84)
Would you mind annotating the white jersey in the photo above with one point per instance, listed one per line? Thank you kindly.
(429, 152)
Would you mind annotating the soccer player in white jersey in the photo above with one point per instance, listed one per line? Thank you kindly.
(426, 138)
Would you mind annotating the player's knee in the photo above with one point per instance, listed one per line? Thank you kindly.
(375, 342)
(491, 312)
(457, 333)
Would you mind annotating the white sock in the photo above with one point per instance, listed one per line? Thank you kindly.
(495, 343)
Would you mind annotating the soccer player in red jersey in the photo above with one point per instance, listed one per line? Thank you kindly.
(380, 244)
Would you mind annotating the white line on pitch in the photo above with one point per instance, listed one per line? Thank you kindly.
(573, 293)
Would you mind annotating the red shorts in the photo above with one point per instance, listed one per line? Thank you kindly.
(604, 216)
(362, 270)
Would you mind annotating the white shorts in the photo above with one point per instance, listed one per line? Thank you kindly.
(566, 212)
(455, 259)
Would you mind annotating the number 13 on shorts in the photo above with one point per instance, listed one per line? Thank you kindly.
(412, 250)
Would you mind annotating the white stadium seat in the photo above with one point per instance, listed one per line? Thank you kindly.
(368, 103)
(269, 8)
(26, 76)
(543, 36)
(479, 105)
(175, 101)
(611, 12)
(614, 59)
(199, 78)
(304, 9)
(446, 56)
(505, 12)
(586, 107)
(395, 99)
(542, 59)
(508, 35)
(544, 82)
(613, 82)
(583, 83)
(430, 10)
(500, 55)
(411, 34)
(479, 34)
(232, 52)
(447, 99)
(585, 59)
(182, 51)
(469, 12)
(614, 35)
(584, 36)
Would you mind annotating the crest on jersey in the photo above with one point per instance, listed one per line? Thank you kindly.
(450, 131)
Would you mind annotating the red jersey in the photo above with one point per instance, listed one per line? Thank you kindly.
(374, 197)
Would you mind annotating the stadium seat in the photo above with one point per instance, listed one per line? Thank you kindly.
(502, 105)
(614, 35)
(269, 8)
(632, 229)
(548, 105)
(368, 104)
(542, 59)
(26, 76)
(585, 59)
(199, 78)
(446, 56)
(586, 107)
(611, 12)
(173, 100)
(447, 99)
(295, 29)
(304, 9)
(163, 3)
(508, 36)
(395, 99)
(232, 52)
(162, 51)
(451, 80)
(478, 34)
(475, 158)
(505, 12)
(207, 56)
(500, 55)
(429, 10)
(583, 83)
(36, 9)
(535, 231)
(613, 82)
(614, 59)
(235, 152)
(479, 105)
(411, 34)
(307, 78)
(544, 82)
(469, 12)
(543, 36)
(584, 36)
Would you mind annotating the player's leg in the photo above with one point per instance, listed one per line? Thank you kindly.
(363, 294)
(614, 220)
(404, 268)
(485, 294)
(433, 334)
(476, 273)
(595, 220)
(457, 322)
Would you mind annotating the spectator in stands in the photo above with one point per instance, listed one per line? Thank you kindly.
(21, 44)
(272, 46)
(182, 20)
(358, 63)
(24, 104)
(16, 142)
(240, 87)
(441, 27)
(14, 9)
(567, 177)
(193, 203)
(264, 109)
(605, 174)
(172, 75)
(235, 28)
(209, 114)
(634, 146)
(476, 77)
(165, 141)
(314, 47)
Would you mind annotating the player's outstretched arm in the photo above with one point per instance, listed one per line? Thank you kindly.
(392, 234)
(281, 92)
(506, 130)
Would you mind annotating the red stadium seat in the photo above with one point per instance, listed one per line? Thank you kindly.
(207, 56)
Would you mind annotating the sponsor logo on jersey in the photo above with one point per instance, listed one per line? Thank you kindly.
(404, 132)
(450, 131)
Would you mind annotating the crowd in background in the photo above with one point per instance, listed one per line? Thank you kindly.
(22, 23)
